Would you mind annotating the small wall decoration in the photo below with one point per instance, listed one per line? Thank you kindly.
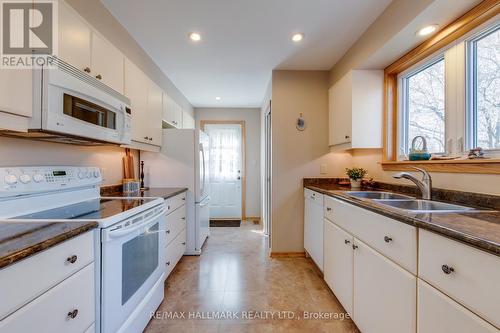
(301, 123)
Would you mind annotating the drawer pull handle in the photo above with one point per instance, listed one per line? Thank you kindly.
(183, 199)
(354, 247)
(183, 243)
(387, 239)
(447, 269)
(168, 263)
(347, 241)
(183, 218)
(73, 314)
(72, 259)
(328, 209)
(168, 231)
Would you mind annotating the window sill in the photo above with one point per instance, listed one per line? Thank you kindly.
(483, 166)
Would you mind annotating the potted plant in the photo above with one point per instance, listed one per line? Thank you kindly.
(355, 176)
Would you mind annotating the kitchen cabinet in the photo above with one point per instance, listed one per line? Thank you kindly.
(176, 231)
(384, 293)
(16, 99)
(74, 38)
(62, 296)
(338, 263)
(136, 88)
(439, 313)
(313, 226)
(188, 120)
(355, 110)
(107, 63)
(172, 112)
(154, 112)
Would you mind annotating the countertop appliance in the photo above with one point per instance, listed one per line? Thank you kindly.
(131, 236)
(71, 106)
(184, 162)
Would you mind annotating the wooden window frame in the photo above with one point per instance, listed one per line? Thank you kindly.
(477, 16)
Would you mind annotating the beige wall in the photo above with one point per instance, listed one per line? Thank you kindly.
(103, 21)
(296, 154)
(251, 116)
(19, 152)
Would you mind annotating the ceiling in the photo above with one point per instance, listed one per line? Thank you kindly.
(242, 41)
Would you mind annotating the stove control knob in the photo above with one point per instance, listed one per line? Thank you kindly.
(37, 178)
(10, 179)
(24, 178)
(96, 174)
(81, 174)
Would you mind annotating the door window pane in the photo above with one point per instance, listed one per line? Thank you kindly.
(425, 107)
(486, 91)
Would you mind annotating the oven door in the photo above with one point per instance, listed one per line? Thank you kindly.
(132, 263)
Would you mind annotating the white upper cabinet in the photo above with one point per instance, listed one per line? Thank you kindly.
(188, 120)
(15, 96)
(107, 63)
(154, 114)
(172, 112)
(136, 88)
(355, 110)
(74, 38)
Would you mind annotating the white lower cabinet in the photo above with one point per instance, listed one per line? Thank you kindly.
(338, 263)
(313, 226)
(176, 231)
(384, 293)
(439, 313)
(175, 251)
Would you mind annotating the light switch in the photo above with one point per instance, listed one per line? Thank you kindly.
(323, 169)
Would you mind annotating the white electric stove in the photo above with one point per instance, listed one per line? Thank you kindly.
(131, 235)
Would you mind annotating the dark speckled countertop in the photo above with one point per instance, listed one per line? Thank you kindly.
(153, 192)
(20, 240)
(480, 229)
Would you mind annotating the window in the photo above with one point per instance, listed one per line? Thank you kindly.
(424, 106)
(484, 90)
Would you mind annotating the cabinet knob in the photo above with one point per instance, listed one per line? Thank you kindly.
(150, 139)
(183, 199)
(168, 263)
(447, 269)
(98, 76)
(183, 218)
(145, 138)
(168, 207)
(86, 70)
(347, 136)
(354, 247)
(168, 231)
(183, 243)
(387, 239)
(347, 241)
(73, 314)
(72, 259)
(328, 209)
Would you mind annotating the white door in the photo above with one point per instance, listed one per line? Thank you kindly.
(338, 263)
(225, 170)
(380, 288)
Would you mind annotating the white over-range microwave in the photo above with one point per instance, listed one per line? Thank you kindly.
(73, 107)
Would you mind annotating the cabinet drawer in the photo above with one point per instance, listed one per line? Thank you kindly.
(176, 221)
(51, 312)
(175, 251)
(43, 271)
(474, 279)
(314, 196)
(175, 202)
(439, 313)
(394, 239)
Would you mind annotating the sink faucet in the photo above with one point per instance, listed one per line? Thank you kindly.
(424, 185)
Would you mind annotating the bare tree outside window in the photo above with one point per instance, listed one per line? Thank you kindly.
(487, 91)
(425, 106)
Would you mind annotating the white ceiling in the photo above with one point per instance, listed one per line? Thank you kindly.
(242, 41)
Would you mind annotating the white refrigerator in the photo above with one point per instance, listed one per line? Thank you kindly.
(184, 162)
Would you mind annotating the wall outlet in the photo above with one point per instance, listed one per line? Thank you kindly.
(323, 169)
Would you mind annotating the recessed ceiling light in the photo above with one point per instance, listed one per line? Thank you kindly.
(298, 37)
(427, 30)
(217, 98)
(195, 37)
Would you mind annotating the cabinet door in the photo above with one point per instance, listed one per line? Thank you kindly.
(340, 111)
(74, 38)
(107, 63)
(178, 115)
(136, 88)
(16, 95)
(439, 313)
(155, 108)
(169, 110)
(313, 226)
(384, 293)
(188, 120)
(338, 264)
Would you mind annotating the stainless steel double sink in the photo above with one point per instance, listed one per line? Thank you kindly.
(410, 204)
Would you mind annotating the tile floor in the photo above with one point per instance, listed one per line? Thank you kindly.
(235, 278)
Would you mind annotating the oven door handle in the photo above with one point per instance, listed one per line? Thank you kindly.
(118, 233)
